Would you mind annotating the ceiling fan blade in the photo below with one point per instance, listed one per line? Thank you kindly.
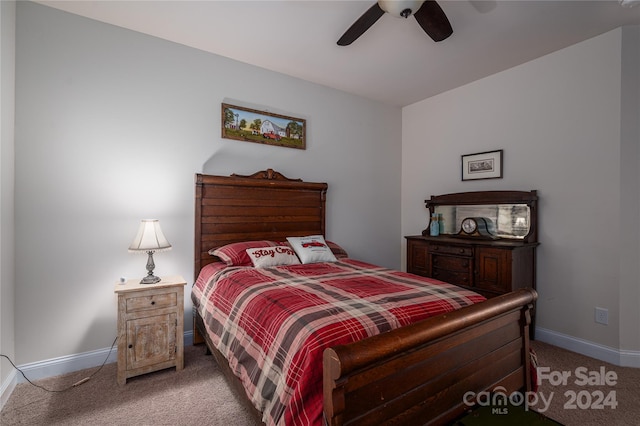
(433, 20)
(361, 25)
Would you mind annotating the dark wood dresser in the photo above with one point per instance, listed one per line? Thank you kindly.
(490, 266)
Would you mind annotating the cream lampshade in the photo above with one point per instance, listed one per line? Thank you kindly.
(149, 239)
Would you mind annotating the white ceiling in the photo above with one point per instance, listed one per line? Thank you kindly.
(394, 62)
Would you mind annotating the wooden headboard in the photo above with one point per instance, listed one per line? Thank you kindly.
(263, 206)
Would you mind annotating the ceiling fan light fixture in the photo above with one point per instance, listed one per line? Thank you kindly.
(429, 15)
(398, 8)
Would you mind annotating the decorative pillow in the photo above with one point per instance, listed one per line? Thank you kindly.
(265, 257)
(312, 249)
(337, 251)
(235, 254)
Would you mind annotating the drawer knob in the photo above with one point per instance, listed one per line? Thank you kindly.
(153, 302)
(130, 346)
(461, 250)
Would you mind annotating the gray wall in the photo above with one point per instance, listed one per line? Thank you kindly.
(7, 277)
(568, 132)
(112, 125)
(630, 189)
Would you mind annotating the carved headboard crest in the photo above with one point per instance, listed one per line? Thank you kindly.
(268, 174)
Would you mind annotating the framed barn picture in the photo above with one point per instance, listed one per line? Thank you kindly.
(250, 125)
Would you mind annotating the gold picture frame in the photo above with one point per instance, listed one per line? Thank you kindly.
(251, 125)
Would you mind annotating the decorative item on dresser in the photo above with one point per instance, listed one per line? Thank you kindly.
(150, 326)
(415, 374)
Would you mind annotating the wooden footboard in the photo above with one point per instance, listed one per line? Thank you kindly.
(420, 374)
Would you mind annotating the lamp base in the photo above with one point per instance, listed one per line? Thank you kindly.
(150, 279)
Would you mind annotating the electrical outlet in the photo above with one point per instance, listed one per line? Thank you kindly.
(602, 316)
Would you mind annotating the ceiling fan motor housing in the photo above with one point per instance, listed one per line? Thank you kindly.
(428, 14)
(400, 8)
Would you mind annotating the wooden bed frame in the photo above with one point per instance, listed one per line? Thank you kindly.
(419, 374)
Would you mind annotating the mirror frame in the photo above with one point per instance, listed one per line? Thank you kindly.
(530, 198)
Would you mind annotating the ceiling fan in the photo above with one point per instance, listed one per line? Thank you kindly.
(428, 14)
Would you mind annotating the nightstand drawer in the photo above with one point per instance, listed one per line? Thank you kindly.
(156, 301)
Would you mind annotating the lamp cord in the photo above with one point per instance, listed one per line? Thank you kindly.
(78, 383)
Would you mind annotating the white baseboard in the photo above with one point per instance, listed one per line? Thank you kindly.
(7, 387)
(622, 358)
(63, 365)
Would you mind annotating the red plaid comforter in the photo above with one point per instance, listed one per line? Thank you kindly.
(273, 324)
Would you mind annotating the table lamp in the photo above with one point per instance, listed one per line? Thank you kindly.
(149, 239)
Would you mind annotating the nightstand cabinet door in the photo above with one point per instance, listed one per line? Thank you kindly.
(151, 341)
(150, 326)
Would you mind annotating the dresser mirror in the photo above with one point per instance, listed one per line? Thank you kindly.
(507, 220)
(511, 214)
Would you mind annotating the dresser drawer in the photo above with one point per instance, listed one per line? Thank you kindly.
(452, 277)
(449, 249)
(451, 263)
(155, 301)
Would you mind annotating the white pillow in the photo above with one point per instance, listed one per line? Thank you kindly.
(264, 257)
(312, 249)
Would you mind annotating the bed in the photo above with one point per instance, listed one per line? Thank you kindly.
(421, 369)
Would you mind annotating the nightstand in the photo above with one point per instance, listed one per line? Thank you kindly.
(150, 326)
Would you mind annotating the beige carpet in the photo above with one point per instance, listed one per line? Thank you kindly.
(626, 390)
(199, 395)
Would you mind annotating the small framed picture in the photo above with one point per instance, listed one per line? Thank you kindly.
(483, 165)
